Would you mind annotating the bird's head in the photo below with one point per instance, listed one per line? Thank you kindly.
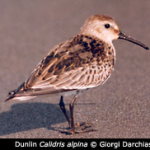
(106, 29)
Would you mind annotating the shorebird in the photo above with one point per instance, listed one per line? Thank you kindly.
(85, 61)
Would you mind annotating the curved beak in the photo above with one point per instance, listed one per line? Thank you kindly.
(128, 38)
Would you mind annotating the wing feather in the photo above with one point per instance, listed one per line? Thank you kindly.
(72, 65)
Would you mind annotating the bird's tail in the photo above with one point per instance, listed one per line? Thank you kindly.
(22, 93)
(15, 94)
(20, 97)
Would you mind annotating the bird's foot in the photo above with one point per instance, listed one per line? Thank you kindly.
(79, 128)
(84, 127)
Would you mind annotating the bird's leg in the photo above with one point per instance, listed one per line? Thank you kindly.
(71, 114)
(70, 120)
(62, 107)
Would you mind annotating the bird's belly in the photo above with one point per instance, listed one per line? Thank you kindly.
(100, 74)
(105, 74)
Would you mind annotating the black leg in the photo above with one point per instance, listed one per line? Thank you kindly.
(62, 107)
(70, 120)
(71, 114)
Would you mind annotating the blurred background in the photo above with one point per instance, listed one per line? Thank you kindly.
(30, 28)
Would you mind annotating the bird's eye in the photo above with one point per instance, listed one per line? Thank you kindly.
(107, 26)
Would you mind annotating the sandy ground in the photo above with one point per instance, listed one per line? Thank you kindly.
(118, 109)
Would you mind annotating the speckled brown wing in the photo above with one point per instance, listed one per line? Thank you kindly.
(78, 63)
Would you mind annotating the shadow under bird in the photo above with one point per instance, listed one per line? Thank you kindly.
(80, 63)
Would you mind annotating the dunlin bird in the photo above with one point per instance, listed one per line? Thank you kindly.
(82, 62)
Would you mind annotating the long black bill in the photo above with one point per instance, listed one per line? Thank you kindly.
(128, 38)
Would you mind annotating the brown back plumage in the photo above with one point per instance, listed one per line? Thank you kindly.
(59, 70)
